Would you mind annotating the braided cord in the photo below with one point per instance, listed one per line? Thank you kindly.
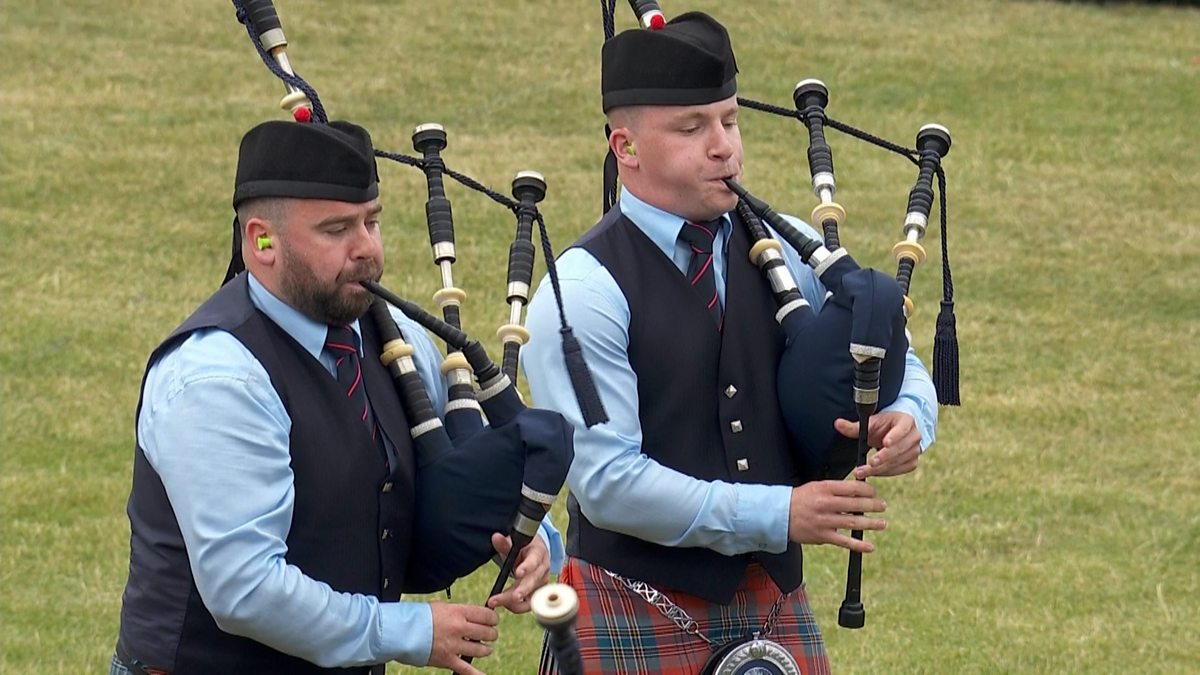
(551, 268)
(608, 177)
(947, 280)
(480, 187)
(910, 153)
(402, 159)
(608, 9)
(464, 179)
(768, 107)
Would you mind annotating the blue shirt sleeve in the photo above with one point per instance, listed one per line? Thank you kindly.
(616, 485)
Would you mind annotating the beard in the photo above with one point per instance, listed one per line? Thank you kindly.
(333, 303)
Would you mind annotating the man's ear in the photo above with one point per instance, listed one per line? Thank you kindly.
(621, 142)
(258, 241)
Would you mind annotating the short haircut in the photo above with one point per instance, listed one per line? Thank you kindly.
(271, 209)
(625, 116)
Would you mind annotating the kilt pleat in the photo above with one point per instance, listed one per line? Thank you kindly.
(620, 633)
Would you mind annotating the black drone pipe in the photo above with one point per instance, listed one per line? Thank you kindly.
(933, 143)
(430, 139)
(811, 96)
(529, 187)
(425, 426)
(462, 407)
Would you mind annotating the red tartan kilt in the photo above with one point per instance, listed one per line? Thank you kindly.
(620, 633)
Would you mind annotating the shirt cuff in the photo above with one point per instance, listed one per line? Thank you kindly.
(554, 543)
(406, 632)
(762, 515)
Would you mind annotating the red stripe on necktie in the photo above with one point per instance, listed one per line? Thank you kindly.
(357, 380)
(707, 264)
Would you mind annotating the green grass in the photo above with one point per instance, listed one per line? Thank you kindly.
(1055, 525)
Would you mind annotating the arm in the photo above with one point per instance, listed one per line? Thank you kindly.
(217, 434)
(616, 485)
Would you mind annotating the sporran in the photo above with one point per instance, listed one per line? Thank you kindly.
(752, 655)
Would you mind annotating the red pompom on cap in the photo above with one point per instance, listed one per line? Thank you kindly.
(302, 114)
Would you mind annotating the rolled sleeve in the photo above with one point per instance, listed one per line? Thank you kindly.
(554, 543)
(406, 631)
(761, 516)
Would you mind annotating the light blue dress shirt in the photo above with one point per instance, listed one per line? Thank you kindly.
(216, 432)
(618, 487)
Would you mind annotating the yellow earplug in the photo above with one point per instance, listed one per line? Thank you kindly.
(630, 149)
(263, 242)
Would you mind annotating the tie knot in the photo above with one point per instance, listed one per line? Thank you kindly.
(699, 236)
(341, 339)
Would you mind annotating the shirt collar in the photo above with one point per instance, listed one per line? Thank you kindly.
(308, 333)
(660, 226)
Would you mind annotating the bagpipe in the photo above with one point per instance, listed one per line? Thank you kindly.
(847, 358)
(494, 465)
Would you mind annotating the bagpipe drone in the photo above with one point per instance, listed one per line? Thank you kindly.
(847, 358)
(473, 478)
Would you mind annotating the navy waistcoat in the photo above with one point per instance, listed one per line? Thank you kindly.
(708, 403)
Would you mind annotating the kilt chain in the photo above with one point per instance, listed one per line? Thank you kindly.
(679, 616)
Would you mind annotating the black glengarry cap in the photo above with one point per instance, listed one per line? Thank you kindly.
(688, 62)
(307, 161)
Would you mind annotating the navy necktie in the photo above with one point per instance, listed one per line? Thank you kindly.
(700, 272)
(342, 343)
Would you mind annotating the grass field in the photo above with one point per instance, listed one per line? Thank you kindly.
(1055, 525)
